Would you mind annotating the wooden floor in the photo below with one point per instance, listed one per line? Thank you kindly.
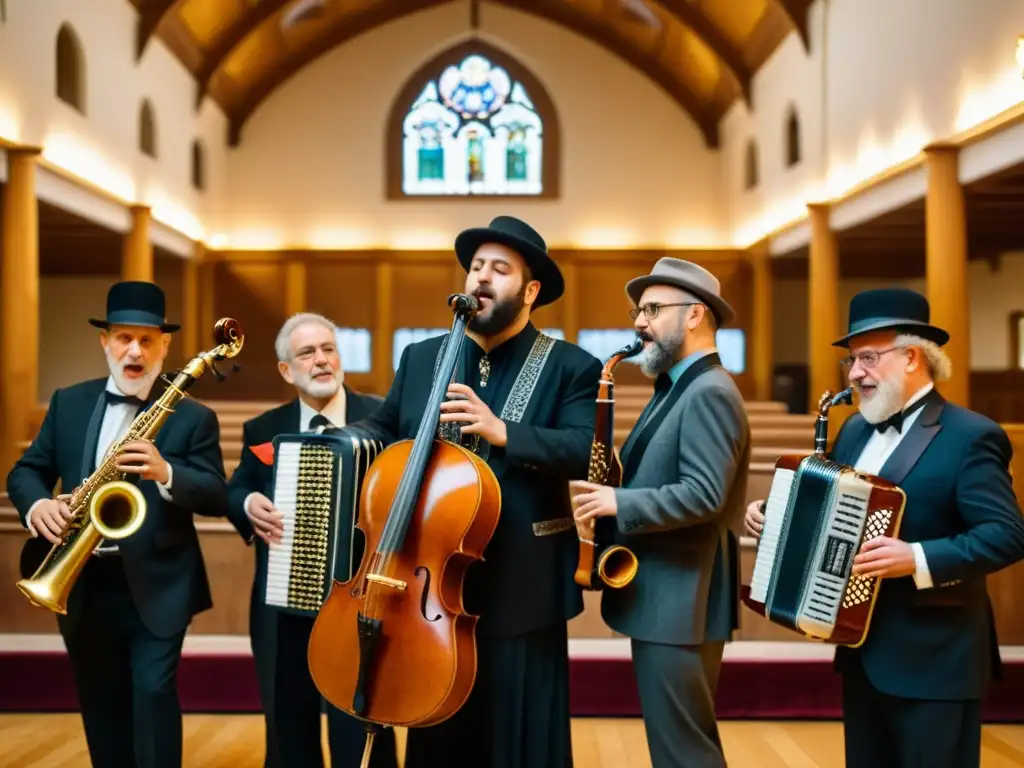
(235, 741)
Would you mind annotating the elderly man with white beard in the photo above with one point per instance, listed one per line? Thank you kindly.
(912, 692)
(308, 359)
(133, 602)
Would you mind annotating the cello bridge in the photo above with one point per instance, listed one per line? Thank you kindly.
(386, 581)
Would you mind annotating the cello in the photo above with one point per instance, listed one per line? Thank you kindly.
(394, 645)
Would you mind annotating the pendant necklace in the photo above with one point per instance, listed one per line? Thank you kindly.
(485, 370)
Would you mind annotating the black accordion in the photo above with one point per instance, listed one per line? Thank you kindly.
(317, 483)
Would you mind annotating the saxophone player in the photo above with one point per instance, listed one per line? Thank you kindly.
(683, 489)
(130, 608)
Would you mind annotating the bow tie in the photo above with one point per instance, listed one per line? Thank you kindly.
(319, 420)
(896, 420)
(113, 398)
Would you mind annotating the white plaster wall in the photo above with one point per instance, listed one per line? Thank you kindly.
(883, 79)
(103, 144)
(310, 170)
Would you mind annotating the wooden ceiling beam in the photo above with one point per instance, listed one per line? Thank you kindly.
(150, 16)
(252, 18)
(692, 16)
(356, 23)
(797, 10)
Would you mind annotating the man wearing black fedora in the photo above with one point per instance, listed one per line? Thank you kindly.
(130, 608)
(912, 692)
(526, 404)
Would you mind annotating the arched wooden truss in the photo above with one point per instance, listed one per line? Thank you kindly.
(703, 54)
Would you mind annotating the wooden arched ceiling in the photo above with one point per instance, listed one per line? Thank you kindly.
(702, 53)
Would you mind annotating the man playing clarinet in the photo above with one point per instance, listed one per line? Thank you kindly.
(525, 403)
(912, 692)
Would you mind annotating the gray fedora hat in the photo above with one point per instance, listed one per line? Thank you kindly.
(688, 276)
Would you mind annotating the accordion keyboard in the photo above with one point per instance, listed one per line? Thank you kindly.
(768, 545)
(297, 564)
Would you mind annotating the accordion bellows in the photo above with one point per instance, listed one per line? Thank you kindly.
(817, 516)
(317, 483)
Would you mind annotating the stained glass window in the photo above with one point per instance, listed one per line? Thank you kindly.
(472, 131)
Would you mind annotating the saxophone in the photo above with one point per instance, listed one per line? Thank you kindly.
(106, 506)
(601, 562)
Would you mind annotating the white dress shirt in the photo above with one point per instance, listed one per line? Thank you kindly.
(877, 450)
(117, 418)
(334, 411)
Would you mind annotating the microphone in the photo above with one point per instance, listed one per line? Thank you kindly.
(463, 303)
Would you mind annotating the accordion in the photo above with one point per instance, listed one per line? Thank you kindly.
(817, 516)
(316, 488)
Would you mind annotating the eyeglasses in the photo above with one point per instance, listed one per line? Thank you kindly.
(651, 310)
(868, 359)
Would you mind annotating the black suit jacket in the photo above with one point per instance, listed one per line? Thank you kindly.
(525, 581)
(162, 560)
(940, 643)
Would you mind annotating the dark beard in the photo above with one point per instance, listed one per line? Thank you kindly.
(502, 314)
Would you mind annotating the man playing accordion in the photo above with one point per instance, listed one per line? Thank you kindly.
(912, 692)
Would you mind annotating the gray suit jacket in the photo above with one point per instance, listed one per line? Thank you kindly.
(678, 510)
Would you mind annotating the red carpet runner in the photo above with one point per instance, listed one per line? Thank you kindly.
(42, 682)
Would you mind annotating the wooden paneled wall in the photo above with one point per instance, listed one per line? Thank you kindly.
(387, 290)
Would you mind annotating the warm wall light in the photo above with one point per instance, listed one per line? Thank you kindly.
(1020, 54)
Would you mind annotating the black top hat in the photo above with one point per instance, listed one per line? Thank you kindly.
(135, 303)
(524, 240)
(896, 309)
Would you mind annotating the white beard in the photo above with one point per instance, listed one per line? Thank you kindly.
(132, 387)
(887, 400)
(320, 389)
(657, 356)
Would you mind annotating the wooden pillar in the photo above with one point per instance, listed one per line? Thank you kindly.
(761, 322)
(137, 256)
(383, 327)
(19, 304)
(823, 316)
(294, 287)
(570, 301)
(191, 327)
(946, 266)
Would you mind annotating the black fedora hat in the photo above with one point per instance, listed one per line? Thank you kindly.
(135, 303)
(895, 309)
(524, 240)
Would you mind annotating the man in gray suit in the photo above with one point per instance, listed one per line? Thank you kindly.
(683, 491)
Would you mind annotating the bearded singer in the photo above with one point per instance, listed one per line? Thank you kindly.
(912, 693)
(308, 359)
(684, 483)
(130, 608)
(526, 404)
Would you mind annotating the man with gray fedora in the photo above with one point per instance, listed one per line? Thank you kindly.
(683, 491)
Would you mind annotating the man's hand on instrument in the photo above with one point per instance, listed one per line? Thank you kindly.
(885, 558)
(753, 523)
(50, 517)
(266, 521)
(466, 408)
(142, 458)
(591, 500)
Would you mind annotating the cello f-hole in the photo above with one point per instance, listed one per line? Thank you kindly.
(426, 591)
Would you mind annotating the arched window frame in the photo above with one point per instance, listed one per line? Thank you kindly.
(794, 150)
(147, 129)
(751, 164)
(198, 166)
(432, 69)
(69, 72)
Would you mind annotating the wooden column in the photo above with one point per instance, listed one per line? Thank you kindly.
(570, 301)
(946, 265)
(294, 287)
(823, 317)
(191, 326)
(761, 322)
(19, 304)
(383, 328)
(137, 256)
